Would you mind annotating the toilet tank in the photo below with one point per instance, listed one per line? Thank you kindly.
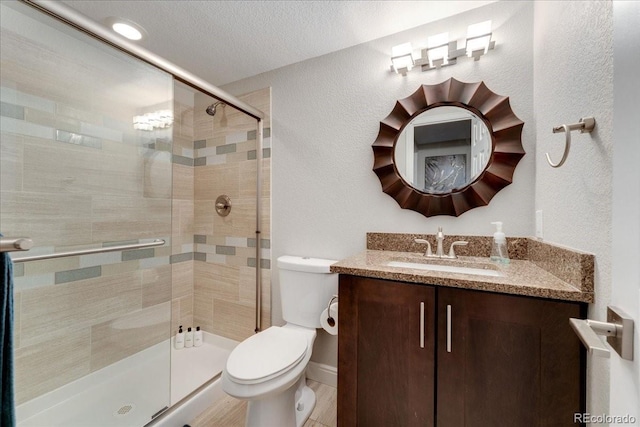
(306, 286)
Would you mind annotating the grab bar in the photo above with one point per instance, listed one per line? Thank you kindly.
(157, 242)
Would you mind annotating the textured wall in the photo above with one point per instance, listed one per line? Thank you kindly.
(326, 114)
(553, 59)
(574, 78)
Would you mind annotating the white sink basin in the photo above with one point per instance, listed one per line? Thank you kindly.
(446, 268)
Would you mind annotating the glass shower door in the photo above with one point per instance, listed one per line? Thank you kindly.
(85, 163)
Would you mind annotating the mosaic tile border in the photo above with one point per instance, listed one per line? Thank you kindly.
(214, 151)
(234, 251)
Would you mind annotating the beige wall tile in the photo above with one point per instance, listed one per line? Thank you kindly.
(202, 122)
(48, 119)
(49, 219)
(214, 180)
(125, 218)
(81, 114)
(205, 213)
(182, 223)
(241, 221)
(87, 170)
(11, 161)
(121, 267)
(248, 286)
(50, 364)
(156, 285)
(51, 265)
(203, 306)
(183, 115)
(222, 280)
(233, 320)
(59, 310)
(182, 273)
(157, 174)
(175, 315)
(116, 339)
(186, 311)
(266, 218)
(183, 182)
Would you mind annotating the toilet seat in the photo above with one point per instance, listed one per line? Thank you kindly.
(266, 355)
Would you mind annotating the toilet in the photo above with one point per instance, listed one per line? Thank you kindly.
(268, 369)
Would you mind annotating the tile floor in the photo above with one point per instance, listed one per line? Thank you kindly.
(230, 412)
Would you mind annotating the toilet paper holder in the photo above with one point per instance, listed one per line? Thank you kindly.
(330, 320)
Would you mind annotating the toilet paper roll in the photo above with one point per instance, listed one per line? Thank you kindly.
(324, 319)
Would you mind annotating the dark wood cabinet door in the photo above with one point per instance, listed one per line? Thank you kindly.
(511, 361)
(385, 373)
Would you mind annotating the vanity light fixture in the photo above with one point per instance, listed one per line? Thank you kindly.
(478, 39)
(440, 51)
(402, 59)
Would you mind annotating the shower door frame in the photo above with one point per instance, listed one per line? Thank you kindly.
(72, 17)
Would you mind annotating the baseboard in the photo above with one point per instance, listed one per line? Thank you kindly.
(322, 373)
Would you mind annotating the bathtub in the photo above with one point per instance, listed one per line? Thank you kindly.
(154, 387)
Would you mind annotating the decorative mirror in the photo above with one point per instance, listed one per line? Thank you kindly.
(448, 148)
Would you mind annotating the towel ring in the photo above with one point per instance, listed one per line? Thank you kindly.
(585, 125)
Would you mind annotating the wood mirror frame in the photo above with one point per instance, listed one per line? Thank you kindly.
(506, 140)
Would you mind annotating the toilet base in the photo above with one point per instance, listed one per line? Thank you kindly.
(304, 404)
(290, 408)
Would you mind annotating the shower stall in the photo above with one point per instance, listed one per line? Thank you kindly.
(112, 164)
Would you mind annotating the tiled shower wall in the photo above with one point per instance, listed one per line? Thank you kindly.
(79, 314)
(213, 257)
(224, 258)
(76, 174)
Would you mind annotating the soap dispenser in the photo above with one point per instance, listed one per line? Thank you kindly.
(179, 339)
(197, 337)
(499, 251)
(188, 338)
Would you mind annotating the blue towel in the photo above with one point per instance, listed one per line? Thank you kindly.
(8, 415)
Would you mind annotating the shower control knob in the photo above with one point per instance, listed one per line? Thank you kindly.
(223, 205)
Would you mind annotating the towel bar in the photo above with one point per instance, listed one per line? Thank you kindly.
(15, 244)
(7, 244)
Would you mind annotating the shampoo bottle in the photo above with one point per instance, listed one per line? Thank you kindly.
(197, 337)
(188, 338)
(179, 339)
(499, 251)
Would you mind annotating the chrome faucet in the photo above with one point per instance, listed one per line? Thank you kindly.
(440, 247)
(440, 239)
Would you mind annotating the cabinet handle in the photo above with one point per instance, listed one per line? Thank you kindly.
(422, 325)
(448, 329)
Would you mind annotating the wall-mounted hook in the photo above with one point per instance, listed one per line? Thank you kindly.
(586, 124)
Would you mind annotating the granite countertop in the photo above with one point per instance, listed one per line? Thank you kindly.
(521, 276)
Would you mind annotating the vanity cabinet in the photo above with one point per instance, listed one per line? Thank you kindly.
(489, 359)
(386, 364)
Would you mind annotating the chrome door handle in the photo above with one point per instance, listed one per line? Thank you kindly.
(422, 325)
(448, 329)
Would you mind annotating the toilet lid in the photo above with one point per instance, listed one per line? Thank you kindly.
(266, 354)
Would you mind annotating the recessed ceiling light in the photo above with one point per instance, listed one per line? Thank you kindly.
(126, 28)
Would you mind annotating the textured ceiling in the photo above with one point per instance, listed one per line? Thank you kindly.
(225, 41)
